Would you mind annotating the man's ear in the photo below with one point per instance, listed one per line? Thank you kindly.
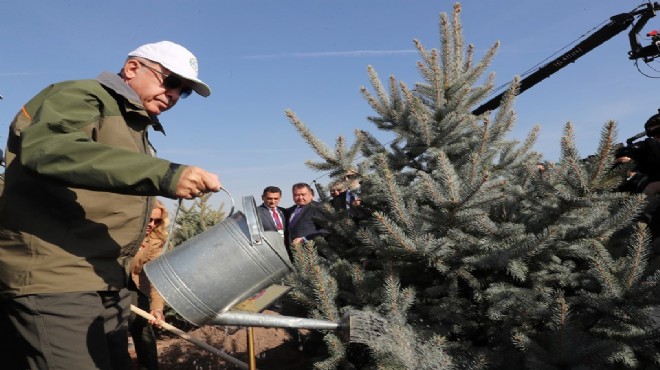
(130, 68)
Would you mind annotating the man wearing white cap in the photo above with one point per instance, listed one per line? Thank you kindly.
(79, 186)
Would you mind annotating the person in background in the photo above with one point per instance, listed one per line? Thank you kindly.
(346, 197)
(342, 198)
(80, 181)
(337, 188)
(270, 213)
(354, 182)
(303, 216)
(143, 294)
(2, 175)
(645, 175)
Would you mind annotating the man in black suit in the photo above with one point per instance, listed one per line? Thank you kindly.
(270, 213)
(302, 217)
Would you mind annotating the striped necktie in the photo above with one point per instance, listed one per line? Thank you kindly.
(276, 217)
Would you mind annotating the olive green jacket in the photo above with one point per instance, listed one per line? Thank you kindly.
(78, 179)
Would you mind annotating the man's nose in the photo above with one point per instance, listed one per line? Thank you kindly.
(174, 95)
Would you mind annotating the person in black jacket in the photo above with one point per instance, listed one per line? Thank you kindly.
(645, 177)
(646, 157)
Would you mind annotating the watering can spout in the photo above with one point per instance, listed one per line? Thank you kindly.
(354, 327)
(244, 318)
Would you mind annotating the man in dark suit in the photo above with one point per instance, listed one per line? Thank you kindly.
(270, 213)
(302, 217)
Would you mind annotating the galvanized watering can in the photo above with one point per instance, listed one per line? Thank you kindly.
(215, 270)
(207, 275)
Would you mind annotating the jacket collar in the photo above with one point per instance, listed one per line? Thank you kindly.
(117, 84)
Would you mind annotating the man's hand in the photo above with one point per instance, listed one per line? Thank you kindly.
(194, 182)
(158, 314)
(298, 241)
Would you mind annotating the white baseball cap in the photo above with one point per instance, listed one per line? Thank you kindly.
(177, 59)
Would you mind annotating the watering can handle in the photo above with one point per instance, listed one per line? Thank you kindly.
(255, 228)
(231, 211)
(176, 214)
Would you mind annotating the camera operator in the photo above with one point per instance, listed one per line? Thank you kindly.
(645, 175)
(2, 175)
(646, 157)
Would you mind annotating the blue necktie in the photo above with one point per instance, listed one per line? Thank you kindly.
(295, 216)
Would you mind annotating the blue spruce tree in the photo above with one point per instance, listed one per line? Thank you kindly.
(468, 250)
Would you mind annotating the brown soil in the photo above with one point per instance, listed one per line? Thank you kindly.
(274, 348)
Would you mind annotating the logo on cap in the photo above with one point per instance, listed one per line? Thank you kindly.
(193, 64)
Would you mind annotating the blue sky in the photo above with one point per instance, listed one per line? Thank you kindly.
(262, 57)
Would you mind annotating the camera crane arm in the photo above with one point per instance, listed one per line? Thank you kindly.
(617, 24)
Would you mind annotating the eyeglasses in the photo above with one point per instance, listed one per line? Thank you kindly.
(156, 221)
(171, 81)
